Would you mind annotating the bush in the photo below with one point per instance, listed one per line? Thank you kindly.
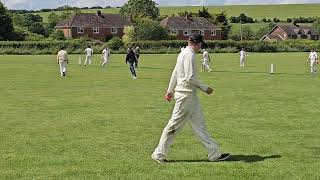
(115, 43)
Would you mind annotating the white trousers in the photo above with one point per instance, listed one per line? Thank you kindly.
(187, 109)
(88, 58)
(105, 61)
(313, 66)
(206, 66)
(242, 59)
(63, 67)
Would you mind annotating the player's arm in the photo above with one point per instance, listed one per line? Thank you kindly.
(172, 84)
(190, 73)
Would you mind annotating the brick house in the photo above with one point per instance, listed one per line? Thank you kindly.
(182, 27)
(97, 26)
(291, 31)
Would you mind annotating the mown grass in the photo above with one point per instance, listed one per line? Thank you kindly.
(99, 123)
(283, 11)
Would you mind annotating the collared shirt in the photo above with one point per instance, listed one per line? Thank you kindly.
(62, 56)
(242, 53)
(184, 76)
(313, 56)
(89, 51)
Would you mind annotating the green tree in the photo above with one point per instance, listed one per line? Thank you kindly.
(140, 8)
(264, 30)
(247, 33)
(57, 34)
(204, 13)
(129, 35)
(316, 25)
(115, 43)
(222, 22)
(6, 26)
(151, 30)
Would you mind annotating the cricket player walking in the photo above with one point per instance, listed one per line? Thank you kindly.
(89, 53)
(105, 56)
(62, 60)
(243, 56)
(131, 58)
(183, 87)
(205, 61)
(313, 58)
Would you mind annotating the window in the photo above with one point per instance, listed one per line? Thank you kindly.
(96, 30)
(173, 31)
(80, 30)
(114, 30)
(201, 32)
(185, 32)
(213, 32)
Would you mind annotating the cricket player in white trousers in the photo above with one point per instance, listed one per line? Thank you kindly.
(62, 59)
(89, 53)
(243, 56)
(313, 58)
(206, 60)
(183, 86)
(105, 56)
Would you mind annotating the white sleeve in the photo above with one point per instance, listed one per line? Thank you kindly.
(190, 72)
(173, 81)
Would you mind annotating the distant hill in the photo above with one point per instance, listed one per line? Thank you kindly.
(282, 11)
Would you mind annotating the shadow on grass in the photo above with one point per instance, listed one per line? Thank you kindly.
(233, 158)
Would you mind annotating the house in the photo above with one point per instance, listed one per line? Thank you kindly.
(182, 27)
(97, 26)
(291, 31)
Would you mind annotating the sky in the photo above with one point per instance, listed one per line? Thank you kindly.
(41, 4)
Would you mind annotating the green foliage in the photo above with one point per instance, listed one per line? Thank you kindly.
(264, 30)
(221, 20)
(57, 35)
(129, 35)
(151, 30)
(140, 8)
(6, 26)
(115, 43)
(316, 25)
(242, 18)
(204, 13)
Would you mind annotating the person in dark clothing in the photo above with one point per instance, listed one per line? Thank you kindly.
(131, 58)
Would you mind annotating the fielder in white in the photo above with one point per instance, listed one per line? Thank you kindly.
(243, 56)
(105, 56)
(89, 53)
(62, 59)
(205, 61)
(313, 58)
(183, 86)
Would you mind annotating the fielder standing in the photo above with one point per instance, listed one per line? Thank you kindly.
(313, 58)
(206, 59)
(89, 52)
(62, 59)
(243, 56)
(105, 56)
(183, 86)
(137, 54)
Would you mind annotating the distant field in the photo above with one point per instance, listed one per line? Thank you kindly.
(101, 124)
(282, 11)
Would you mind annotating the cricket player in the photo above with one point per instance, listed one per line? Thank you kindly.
(105, 56)
(131, 58)
(89, 52)
(243, 56)
(62, 60)
(183, 87)
(137, 54)
(205, 61)
(182, 48)
(313, 58)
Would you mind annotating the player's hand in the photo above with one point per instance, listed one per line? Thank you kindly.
(169, 97)
(209, 90)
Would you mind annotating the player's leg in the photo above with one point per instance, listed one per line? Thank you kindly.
(198, 126)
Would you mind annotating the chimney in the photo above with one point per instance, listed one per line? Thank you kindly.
(99, 13)
(130, 18)
(187, 17)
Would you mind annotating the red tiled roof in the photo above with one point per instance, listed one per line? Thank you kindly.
(93, 20)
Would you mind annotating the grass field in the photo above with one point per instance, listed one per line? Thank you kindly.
(282, 11)
(99, 123)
